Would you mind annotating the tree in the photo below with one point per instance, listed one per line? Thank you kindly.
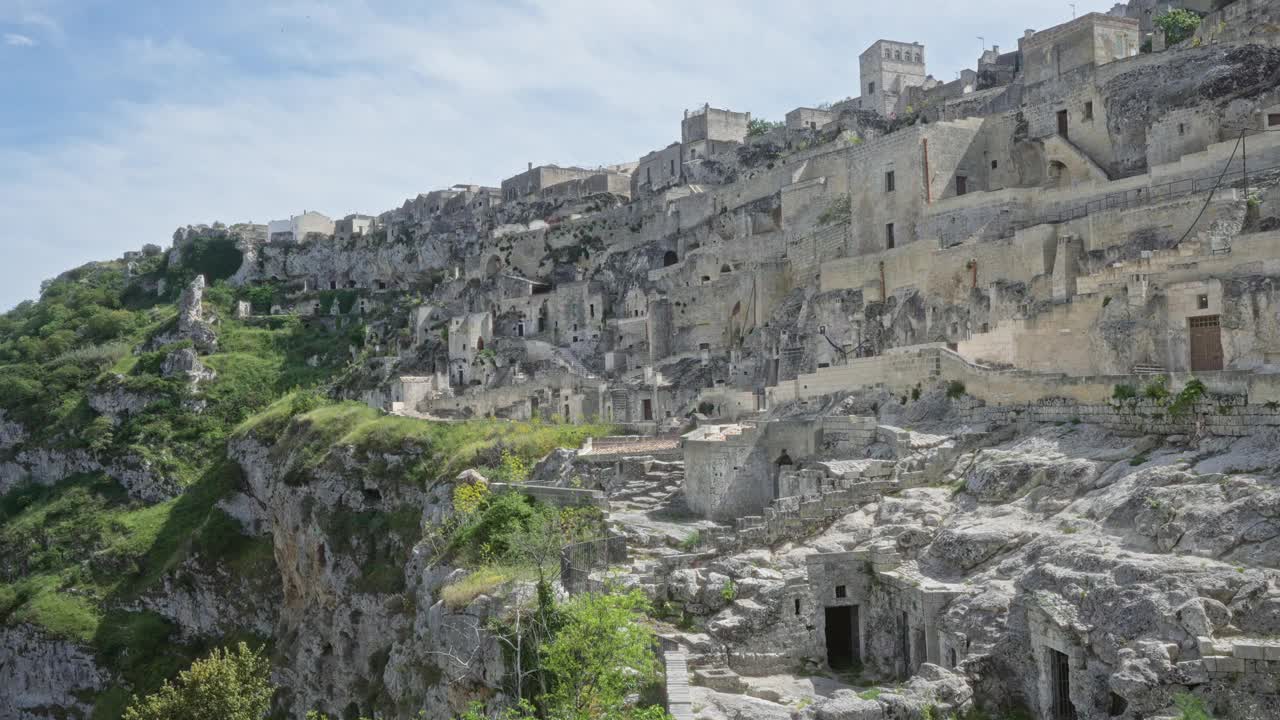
(760, 126)
(1178, 25)
(228, 685)
(601, 654)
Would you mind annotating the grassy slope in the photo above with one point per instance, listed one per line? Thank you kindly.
(72, 554)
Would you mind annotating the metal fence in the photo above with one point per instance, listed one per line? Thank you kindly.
(579, 559)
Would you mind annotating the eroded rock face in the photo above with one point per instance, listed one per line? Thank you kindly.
(40, 675)
(47, 467)
(361, 611)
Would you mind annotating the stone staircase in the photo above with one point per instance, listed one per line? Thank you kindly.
(656, 488)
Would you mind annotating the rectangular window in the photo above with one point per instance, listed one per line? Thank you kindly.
(871, 88)
(888, 181)
(1202, 302)
(1273, 119)
(1088, 110)
(962, 185)
(889, 240)
(995, 164)
(840, 591)
(1182, 129)
(673, 168)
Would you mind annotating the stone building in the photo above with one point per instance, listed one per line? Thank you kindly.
(658, 170)
(1090, 40)
(809, 119)
(299, 228)
(533, 182)
(708, 131)
(353, 226)
(886, 70)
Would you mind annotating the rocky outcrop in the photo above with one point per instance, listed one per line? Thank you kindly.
(42, 675)
(111, 398)
(360, 619)
(191, 321)
(45, 466)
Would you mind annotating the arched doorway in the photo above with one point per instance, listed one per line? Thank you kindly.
(670, 258)
(1058, 176)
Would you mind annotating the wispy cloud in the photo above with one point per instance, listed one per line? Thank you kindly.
(16, 40)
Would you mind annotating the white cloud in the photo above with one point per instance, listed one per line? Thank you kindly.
(16, 40)
(344, 108)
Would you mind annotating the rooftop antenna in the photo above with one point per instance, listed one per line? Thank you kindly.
(984, 43)
(1073, 10)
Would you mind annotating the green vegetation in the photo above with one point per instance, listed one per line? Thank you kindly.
(1178, 25)
(444, 448)
(871, 694)
(73, 553)
(1124, 392)
(955, 390)
(729, 591)
(1186, 399)
(1157, 389)
(586, 658)
(1190, 707)
(484, 581)
(760, 126)
(227, 685)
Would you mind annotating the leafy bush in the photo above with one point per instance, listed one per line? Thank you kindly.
(1178, 25)
(955, 390)
(1124, 392)
(1187, 397)
(229, 685)
(215, 258)
(602, 654)
(760, 126)
(1157, 389)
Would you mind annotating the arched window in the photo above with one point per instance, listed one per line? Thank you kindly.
(725, 269)
(670, 258)
(480, 344)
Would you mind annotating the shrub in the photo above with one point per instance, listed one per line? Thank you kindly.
(1178, 25)
(230, 685)
(1157, 389)
(1124, 392)
(1190, 707)
(955, 390)
(1187, 397)
(760, 126)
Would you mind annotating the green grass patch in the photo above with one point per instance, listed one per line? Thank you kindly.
(483, 581)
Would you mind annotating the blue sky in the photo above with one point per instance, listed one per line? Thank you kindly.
(121, 120)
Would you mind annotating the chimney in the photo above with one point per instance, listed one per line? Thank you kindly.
(995, 49)
(530, 166)
(1028, 33)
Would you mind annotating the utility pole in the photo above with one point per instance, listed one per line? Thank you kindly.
(983, 40)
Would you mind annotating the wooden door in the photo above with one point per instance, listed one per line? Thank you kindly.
(1206, 343)
(1062, 123)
